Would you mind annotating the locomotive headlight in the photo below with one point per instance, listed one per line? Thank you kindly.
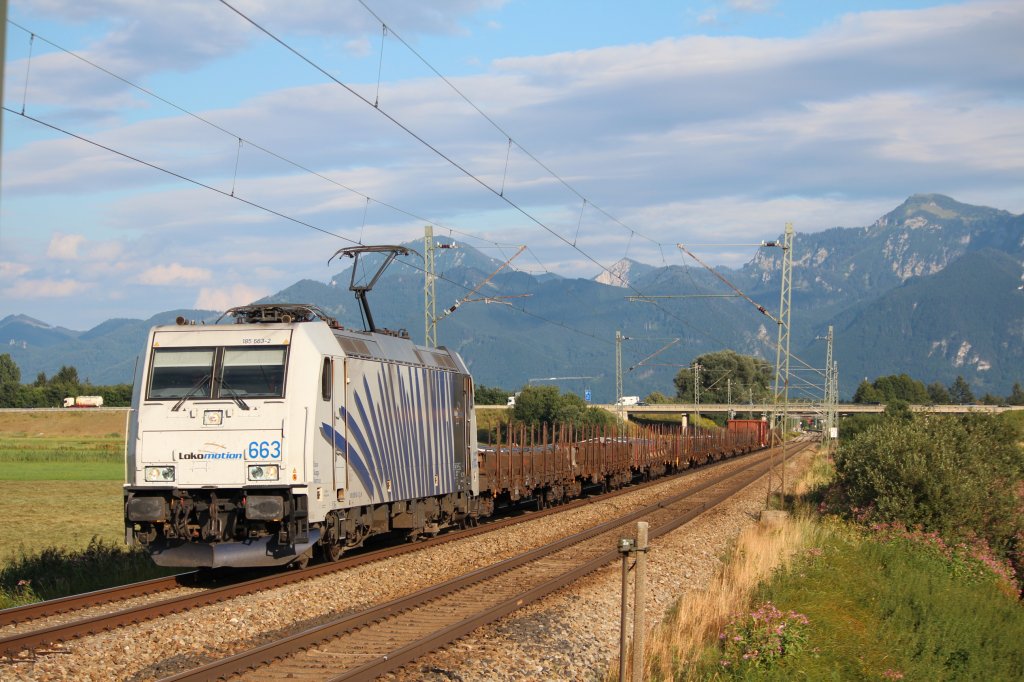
(159, 474)
(263, 472)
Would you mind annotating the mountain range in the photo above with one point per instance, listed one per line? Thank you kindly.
(932, 288)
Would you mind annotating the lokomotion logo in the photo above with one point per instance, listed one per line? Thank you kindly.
(208, 455)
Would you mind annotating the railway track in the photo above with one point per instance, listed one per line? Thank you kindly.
(387, 636)
(43, 639)
(78, 602)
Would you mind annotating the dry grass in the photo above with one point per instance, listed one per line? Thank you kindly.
(58, 514)
(62, 423)
(698, 617)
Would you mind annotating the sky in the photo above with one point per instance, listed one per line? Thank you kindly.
(203, 154)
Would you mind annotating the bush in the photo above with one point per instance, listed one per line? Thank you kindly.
(544, 404)
(957, 476)
(57, 572)
(760, 638)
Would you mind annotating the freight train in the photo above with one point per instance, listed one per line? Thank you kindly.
(284, 435)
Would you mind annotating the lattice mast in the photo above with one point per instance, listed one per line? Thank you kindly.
(780, 401)
(829, 396)
(834, 407)
(429, 296)
(618, 367)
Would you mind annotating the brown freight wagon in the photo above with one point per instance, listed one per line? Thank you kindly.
(552, 464)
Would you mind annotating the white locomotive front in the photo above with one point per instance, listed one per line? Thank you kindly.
(260, 442)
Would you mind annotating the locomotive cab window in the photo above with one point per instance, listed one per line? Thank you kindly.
(326, 377)
(205, 373)
(180, 372)
(252, 372)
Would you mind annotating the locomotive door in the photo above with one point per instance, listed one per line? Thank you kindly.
(465, 431)
(340, 424)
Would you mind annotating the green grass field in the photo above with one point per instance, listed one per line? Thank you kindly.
(60, 481)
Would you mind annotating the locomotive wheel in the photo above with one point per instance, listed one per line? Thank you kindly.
(333, 551)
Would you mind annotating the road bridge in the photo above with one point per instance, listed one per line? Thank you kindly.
(795, 409)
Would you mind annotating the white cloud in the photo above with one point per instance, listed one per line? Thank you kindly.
(751, 5)
(684, 139)
(174, 273)
(10, 270)
(64, 246)
(30, 289)
(222, 298)
(708, 17)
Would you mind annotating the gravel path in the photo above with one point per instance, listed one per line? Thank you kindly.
(569, 636)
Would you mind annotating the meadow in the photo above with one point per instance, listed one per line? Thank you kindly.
(60, 479)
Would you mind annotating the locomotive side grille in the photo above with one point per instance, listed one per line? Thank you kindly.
(434, 359)
(444, 360)
(354, 346)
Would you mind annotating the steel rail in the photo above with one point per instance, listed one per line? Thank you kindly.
(407, 652)
(77, 602)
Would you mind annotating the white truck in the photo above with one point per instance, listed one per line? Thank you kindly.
(84, 401)
(628, 400)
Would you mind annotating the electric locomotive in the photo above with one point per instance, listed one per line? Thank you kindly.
(261, 442)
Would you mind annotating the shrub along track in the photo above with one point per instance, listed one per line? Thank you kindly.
(384, 637)
(25, 637)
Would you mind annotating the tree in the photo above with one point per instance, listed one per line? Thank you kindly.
(749, 377)
(10, 380)
(489, 395)
(898, 409)
(66, 376)
(892, 388)
(657, 398)
(960, 392)
(938, 394)
(866, 393)
(10, 373)
(1016, 396)
(544, 405)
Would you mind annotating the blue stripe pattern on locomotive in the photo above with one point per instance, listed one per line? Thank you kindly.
(400, 429)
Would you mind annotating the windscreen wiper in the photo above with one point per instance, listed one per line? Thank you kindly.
(191, 392)
(234, 396)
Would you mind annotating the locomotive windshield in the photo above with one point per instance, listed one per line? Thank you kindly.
(186, 373)
(256, 372)
(178, 372)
